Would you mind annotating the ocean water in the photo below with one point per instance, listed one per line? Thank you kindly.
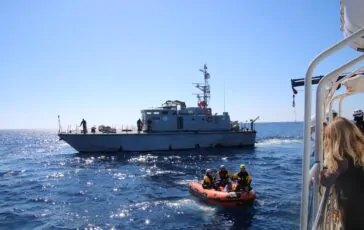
(45, 184)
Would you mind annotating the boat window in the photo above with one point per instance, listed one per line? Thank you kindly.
(174, 113)
(164, 112)
(156, 112)
(149, 112)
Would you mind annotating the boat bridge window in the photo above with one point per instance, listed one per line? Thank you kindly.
(164, 112)
(156, 112)
(149, 113)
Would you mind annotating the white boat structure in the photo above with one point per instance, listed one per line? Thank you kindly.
(323, 211)
(173, 126)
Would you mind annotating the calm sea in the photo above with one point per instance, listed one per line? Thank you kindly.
(45, 184)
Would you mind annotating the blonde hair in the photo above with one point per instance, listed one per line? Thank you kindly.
(343, 139)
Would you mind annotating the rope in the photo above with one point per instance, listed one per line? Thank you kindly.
(294, 107)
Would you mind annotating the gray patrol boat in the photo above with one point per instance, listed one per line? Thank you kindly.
(173, 126)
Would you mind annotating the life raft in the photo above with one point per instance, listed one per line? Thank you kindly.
(227, 199)
(106, 129)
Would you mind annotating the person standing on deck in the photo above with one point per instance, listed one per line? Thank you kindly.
(358, 118)
(344, 169)
(84, 126)
(139, 125)
(149, 125)
(334, 114)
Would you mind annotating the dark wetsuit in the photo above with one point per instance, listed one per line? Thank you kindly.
(149, 125)
(224, 177)
(349, 187)
(84, 126)
(139, 125)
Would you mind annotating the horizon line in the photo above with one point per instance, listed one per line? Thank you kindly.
(52, 129)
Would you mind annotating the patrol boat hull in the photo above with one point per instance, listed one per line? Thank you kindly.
(88, 143)
(169, 127)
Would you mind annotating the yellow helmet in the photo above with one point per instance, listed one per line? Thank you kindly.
(242, 166)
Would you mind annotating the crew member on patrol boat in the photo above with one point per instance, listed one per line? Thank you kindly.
(149, 125)
(244, 179)
(208, 180)
(224, 176)
(139, 125)
(84, 126)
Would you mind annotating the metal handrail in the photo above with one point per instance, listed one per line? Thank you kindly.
(307, 145)
(321, 209)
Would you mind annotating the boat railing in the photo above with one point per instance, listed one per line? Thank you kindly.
(320, 218)
(328, 203)
(78, 130)
(326, 216)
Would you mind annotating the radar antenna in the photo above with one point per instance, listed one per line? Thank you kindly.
(205, 88)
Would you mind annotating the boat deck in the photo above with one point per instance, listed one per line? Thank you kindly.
(134, 132)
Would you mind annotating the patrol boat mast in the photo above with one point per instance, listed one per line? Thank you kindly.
(205, 88)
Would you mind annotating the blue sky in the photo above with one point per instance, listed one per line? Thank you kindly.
(106, 60)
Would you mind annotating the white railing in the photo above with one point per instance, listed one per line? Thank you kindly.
(321, 108)
(78, 130)
(320, 217)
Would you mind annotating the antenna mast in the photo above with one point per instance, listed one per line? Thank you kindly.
(205, 88)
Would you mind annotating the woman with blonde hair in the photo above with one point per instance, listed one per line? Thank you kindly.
(344, 161)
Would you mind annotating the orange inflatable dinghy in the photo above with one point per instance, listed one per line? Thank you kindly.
(222, 198)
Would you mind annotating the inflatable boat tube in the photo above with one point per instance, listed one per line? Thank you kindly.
(352, 20)
(227, 199)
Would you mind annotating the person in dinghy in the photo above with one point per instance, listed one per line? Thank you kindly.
(243, 180)
(208, 180)
(240, 193)
(223, 178)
